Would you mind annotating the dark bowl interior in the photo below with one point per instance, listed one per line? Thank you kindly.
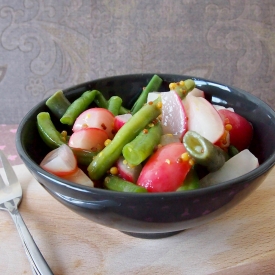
(162, 214)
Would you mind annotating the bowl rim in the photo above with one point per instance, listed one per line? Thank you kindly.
(257, 172)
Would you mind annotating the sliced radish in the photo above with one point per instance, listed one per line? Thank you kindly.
(79, 177)
(127, 172)
(203, 118)
(90, 139)
(120, 120)
(96, 118)
(60, 161)
(174, 119)
(219, 107)
(169, 138)
(153, 96)
(237, 166)
(197, 92)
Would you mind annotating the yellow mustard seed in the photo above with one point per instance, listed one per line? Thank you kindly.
(228, 127)
(64, 133)
(125, 162)
(114, 170)
(107, 142)
(145, 131)
(150, 102)
(172, 86)
(185, 156)
(168, 161)
(181, 83)
(159, 105)
(151, 125)
(191, 162)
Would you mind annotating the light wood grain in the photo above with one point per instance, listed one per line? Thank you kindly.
(240, 242)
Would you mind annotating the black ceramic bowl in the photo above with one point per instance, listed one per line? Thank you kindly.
(154, 215)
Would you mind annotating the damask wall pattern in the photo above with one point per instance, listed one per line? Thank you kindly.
(50, 45)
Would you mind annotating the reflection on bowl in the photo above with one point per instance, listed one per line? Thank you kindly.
(154, 215)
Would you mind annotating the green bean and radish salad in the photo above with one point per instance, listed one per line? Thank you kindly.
(171, 141)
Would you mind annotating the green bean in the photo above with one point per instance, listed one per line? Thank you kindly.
(182, 88)
(48, 132)
(232, 151)
(140, 148)
(114, 104)
(123, 110)
(101, 101)
(203, 151)
(58, 104)
(78, 106)
(84, 157)
(152, 86)
(115, 183)
(106, 158)
(191, 181)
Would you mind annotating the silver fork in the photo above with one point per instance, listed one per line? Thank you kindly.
(10, 197)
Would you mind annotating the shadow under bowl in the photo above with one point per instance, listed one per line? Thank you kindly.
(154, 215)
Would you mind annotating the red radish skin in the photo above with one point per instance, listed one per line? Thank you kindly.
(89, 139)
(174, 119)
(165, 170)
(120, 120)
(197, 92)
(96, 118)
(203, 118)
(127, 172)
(237, 166)
(79, 177)
(241, 132)
(60, 161)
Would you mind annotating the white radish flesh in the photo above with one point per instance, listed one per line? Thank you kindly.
(60, 161)
(236, 166)
(174, 119)
(79, 177)
(96, 118)
(203, 118)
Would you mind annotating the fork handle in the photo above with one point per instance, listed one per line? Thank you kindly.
(38, 263)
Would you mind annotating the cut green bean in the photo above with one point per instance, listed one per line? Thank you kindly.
(58, 104)
(105, 159)
(84, 157)
(101, 101)
(204, 152)
(114, 104)
(123, 110)
(78, 106)
(115, 183)
(191, 181)
(48, 132)
(140, 148)
(232, 151)
(182, 88)
(152, 86)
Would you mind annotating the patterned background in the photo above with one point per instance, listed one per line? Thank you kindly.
(51, 45)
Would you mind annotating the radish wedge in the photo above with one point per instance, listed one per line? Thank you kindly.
(79, 177)
(127, 172)
(90, 139)
(153, 96)
(60, 161)
(120, 120)
(197, 92)
(237, 166)
(96, 118)
(203, 118)
(174, 120)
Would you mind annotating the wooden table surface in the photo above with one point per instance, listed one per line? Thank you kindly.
(242, 241)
